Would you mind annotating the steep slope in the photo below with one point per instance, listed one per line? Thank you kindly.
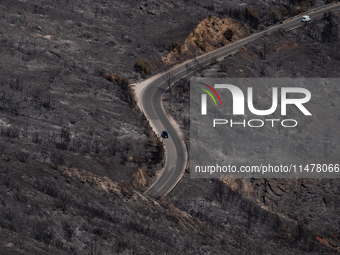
(311, 203)
(82, 213)
(209, 34)
(73, 145)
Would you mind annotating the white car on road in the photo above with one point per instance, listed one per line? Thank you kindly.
(306, 19)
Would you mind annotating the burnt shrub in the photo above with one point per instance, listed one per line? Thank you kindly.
(252, 17)
(128, 94)
(10, 132)
(275, 16)
(68, 230)
(46, 101)
(126, 189)
(113, 147)
(124, 159)
(21, 197)
(330, 32)
(96, 145)
(51, 190)
(47, 188)
(121, 245)
(22, 156)
(95, 211)
(224, 67)
(159, 153)
(65, 138)
(62, 201)
(9, 214)
(228, 34)
(144, 67)
(86, 147)
(36, 138)
(116, 79)
(57, 160)
(16, 84)
(202, 44)
(100, 231)
(7, 220)
(42, 232)
(175, 46)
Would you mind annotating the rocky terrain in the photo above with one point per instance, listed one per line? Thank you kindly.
(209, 34)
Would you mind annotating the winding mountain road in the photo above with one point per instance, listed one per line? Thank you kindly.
(149, 97)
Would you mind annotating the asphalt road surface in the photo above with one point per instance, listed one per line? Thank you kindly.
(151, 102)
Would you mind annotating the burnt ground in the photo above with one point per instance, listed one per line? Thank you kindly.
(61, 102)
(310, 203)
(71, 211)
(67, 124)
(56, 106)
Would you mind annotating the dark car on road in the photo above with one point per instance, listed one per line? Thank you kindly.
(165, 134)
